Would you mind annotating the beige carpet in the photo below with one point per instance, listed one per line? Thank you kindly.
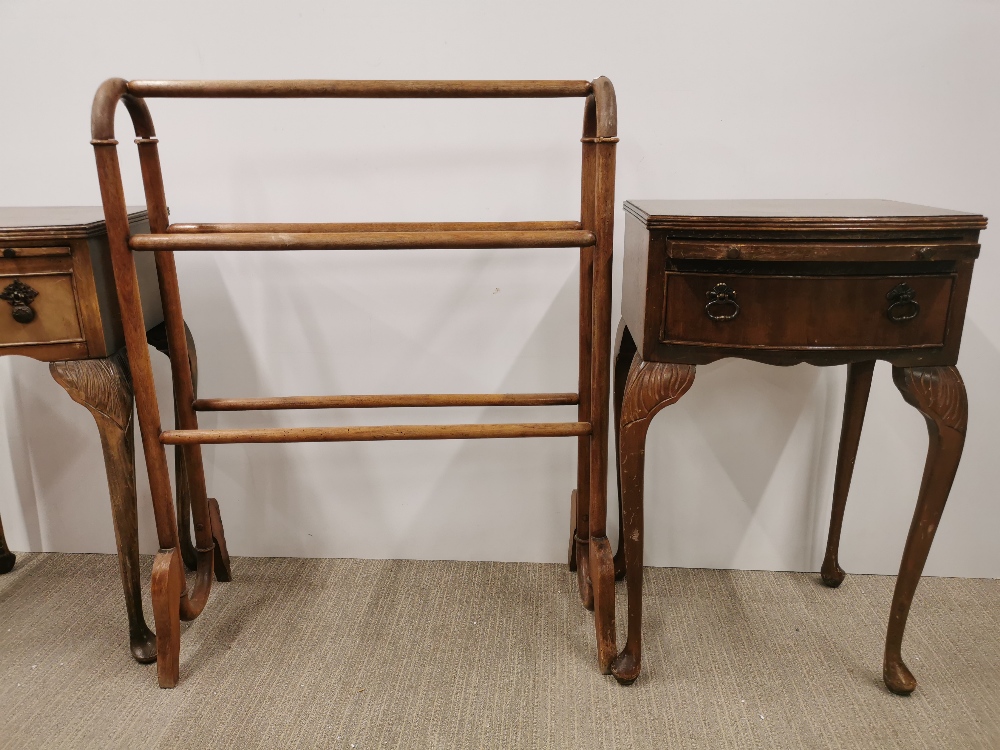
(390, 654)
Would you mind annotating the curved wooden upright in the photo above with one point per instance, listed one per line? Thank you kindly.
(590, 551)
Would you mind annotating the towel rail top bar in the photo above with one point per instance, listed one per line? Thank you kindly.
(601, 126)
(323, 89)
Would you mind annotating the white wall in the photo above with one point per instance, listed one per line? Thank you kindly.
(716, 99)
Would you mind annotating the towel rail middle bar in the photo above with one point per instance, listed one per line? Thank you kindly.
(360, 240)
(386, 401)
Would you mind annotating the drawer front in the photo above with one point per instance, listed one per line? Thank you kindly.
(33, 252)
(837, 252)
(37, 308)
(806, 312)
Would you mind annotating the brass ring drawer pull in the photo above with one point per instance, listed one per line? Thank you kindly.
(903, 304)
(722, 303)
(20, 296)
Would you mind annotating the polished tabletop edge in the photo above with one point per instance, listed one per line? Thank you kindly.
(24, 222)
(812, 210)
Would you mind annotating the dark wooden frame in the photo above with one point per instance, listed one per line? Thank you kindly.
(591, 552)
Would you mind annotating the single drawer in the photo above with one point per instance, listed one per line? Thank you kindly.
(38, 308)
(806, 312)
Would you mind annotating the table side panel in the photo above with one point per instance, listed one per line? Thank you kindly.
(106, 295)
(86, 298)
(635, 272)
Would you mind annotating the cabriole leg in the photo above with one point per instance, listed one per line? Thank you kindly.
(939, 394)
(104, 386)
(650, 387)
(859, 384)
(625, 350)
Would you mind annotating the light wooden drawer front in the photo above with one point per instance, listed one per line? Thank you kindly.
(55, 310)
(806, 312)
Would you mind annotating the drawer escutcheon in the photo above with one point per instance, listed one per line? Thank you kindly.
(20, 296)
(903, 304)
(721, 303)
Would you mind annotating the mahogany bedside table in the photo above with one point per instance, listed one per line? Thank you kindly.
(827, 282)
(59, 306)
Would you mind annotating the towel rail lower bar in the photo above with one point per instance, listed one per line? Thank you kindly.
(382, 432)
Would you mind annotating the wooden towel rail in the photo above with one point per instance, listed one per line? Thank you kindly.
(387, 432)
(361, 240)
(314, 89)
(411, 226)
(590, 553)
(387, 401)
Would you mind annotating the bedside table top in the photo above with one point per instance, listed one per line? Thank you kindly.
(41, 222)
(798, 213)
